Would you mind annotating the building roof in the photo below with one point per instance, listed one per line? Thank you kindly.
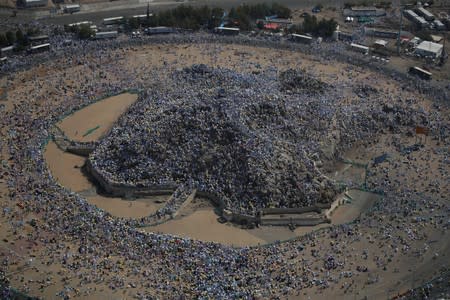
(382, 43)
(272, 26)
(436, 38)
(363, 8)
(430, 47)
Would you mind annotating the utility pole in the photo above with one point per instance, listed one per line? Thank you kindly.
(400, 29)
(148, 11)
(443, 50)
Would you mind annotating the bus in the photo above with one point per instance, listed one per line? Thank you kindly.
(159, 30)
(142, 17)
(301, 38)
(112, 21)
(106, 35)
(39, 48)
(71, 8)
(37, 40)
(424, 74)
(80, 23)
(359, 48)
(226, 30)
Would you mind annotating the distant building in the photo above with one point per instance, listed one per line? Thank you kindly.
(414, 42)
(378, 32)
(364, 11)
(436, 38)
(429, 49)
(276, 23)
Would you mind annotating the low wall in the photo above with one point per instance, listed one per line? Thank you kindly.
(290, 211)
(244, 219)
(294, 221)
(123, 190)
(215, 199)
(81, 151)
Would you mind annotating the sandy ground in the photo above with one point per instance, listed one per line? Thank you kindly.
(119, 207)
(198, 221)
(102, 114)
(195, 222)
(361, 202)
(37, 268)
(203, 225)
(66, 167)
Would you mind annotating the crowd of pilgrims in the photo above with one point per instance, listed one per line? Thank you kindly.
(217, 130)
(232, 135)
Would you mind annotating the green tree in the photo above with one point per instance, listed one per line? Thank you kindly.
(325, 28)
(281, 11)
(21, 39)
(232, 14)
(243, 17)
(215, 18)
(85, 31)
(260, 25)
(133, 23)
(32, 31)
(19, 36)
(10, 37)
(3, 40)
(309, 24)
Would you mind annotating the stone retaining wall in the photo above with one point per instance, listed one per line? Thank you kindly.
(81, 150)
(294, 221)
(293, 211)
(124, 190)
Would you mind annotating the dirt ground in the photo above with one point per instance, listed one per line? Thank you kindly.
(94, 121)
(37, 268)
(197, 221)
